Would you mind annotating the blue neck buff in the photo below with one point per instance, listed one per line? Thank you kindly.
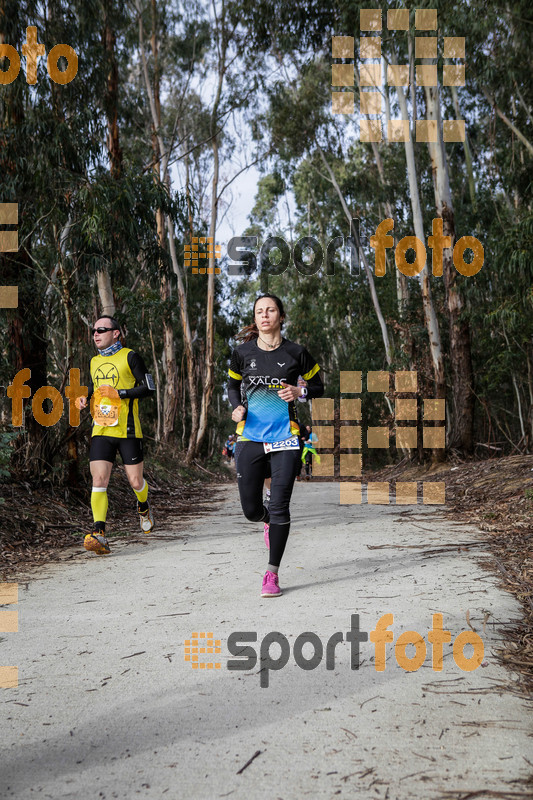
(110, 351)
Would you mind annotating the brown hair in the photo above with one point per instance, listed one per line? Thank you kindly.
(250, 332)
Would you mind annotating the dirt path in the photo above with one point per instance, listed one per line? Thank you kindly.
(107, 706)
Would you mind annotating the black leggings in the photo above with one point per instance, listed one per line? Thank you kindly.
(251, 462)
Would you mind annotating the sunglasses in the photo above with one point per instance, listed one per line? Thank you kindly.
(102, 330)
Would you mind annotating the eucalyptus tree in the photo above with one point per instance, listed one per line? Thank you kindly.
(497, 49)
(83, 211)
(200, 122)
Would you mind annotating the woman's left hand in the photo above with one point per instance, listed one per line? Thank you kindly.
(289, 393)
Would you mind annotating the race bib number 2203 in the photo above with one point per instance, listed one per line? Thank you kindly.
(285, 444)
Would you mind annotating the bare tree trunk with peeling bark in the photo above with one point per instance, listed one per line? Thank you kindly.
(189, 353)
(430, 317)
(466, 145)
(402, 285)
(66, 298)
(187, 339)
(368, 271)
(462, 429)
(208, 373)
(103, 279)
(105, 293)
(169, 350)
(209, 366)
(182, 298)
(111, 96)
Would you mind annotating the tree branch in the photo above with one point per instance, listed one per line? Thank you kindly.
(247, 166)
(508, 122)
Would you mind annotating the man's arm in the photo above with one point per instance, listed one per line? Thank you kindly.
(145, 384)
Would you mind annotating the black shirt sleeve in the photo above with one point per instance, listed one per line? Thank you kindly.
(235, 379)
(139, 371)
(310, 372)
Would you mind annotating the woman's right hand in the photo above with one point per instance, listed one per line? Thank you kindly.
(238, 414)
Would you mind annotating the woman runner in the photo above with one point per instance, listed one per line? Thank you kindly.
(263, 381)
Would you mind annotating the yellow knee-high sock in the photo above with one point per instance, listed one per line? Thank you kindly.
(142, 494)
(99, 503)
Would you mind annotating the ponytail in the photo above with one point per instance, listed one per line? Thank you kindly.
(247, 334)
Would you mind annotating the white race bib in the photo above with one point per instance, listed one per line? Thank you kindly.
(285, 444)
(107, 413)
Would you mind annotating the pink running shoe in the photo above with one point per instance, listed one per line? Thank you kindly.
(271, 585)
(266, 530)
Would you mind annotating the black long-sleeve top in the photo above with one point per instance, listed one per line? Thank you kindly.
(255, 377)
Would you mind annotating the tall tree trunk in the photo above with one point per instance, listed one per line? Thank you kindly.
(187, 340)
(468, 152)
(368, 271)
(184, 314)
(462, 429)
(169, 350)
(208, 371)
(105, 287)
(111, 96)
(26, 330)
(209, 366)
(430, 317)
(71, 437)
(402, 285)
(169, 365)
(189, 354)
(105, 293)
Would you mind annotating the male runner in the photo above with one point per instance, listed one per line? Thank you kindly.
(121, 369)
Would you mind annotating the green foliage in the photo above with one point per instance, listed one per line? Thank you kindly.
(77, 216)
(6, 450)
(494, 204)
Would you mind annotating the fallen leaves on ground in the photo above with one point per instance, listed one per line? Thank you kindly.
(37, 525)
(495, 496)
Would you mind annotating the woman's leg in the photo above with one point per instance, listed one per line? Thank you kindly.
(250, 462)
(284, 466)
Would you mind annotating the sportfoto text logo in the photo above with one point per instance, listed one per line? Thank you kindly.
(32, 50)
(242, 251)
(246, 655)
(103, 407)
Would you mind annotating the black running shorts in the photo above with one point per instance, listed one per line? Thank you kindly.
(104, 448)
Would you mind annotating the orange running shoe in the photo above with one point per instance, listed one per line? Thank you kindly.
(97, 543)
